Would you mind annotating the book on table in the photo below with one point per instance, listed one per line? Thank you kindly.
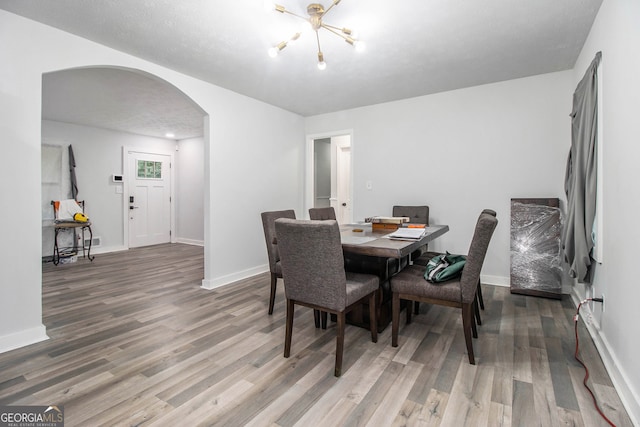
(407, 234)
(387, 222)
(388, 219)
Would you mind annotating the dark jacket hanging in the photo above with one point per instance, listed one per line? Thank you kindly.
(72, 174)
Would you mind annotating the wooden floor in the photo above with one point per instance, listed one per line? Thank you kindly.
(136, 341)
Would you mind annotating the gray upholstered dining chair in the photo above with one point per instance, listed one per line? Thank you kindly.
(461, 292)
(322, 214)
(268, 224)
(424, 259)
(416, 215)
(480, 299)
(314, 276)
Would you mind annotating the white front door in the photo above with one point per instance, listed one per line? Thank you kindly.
(149, 199)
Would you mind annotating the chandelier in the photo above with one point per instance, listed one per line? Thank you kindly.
(316, 13)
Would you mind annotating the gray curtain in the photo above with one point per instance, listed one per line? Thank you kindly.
(580, 179)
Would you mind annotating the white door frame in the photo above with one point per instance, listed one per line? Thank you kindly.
(343, 194)
(309, 174)
(125, 190)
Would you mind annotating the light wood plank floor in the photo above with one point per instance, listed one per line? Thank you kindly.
(136, 341)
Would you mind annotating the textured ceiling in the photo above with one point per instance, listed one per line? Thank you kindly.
(121, 100)
(414, 47)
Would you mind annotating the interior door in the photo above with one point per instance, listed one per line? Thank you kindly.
(149, 199)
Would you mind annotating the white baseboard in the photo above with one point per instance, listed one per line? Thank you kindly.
(23, 338)
(630, 397)
(107, 249)
(232, 278)
(495, 280)
(190, 241)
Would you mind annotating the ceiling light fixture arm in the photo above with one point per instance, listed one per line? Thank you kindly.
(321, 64)
(282, 9)
(335, 3)
(346, 38)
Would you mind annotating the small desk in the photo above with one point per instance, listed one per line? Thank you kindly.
(71, 225)
(368, 244)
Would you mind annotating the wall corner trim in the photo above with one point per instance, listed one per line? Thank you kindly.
(23, 338)
(229, 279)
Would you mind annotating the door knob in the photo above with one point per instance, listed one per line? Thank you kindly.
(344, 204)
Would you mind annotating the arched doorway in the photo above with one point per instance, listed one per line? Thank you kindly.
(103, 112)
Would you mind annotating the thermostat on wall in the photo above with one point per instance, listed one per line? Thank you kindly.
(116, 178)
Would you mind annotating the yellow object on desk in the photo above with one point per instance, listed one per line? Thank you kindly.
(80, 217)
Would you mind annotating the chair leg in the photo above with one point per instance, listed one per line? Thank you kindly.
(474, 330)
(373, 322)
(316, 318)
(416, 307)
(409, 311)
(288, 329)
(272, 296)
(480, 300)
(476, 310)
(467, 321)
(395, 318)
(339, 344)
(323, 318)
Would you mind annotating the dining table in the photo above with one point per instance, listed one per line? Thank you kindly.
(364, 240)
(369, 250)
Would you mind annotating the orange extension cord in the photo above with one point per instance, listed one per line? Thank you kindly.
(586, 375)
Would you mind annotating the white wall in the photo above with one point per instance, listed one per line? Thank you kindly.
(98, 154)
(616, 32)
(248, 169)
(460, 152)
(190, 194)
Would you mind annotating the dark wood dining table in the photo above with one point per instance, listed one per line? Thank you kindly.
(362, 239)
(372, 251)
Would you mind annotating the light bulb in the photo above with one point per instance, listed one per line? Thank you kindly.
(322, 65)
(359, 45)
(273, 52)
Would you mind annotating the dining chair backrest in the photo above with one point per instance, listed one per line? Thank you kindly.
(475, 258)
(312, 262)
(417, 214)
(322, 214)
(269, 226)
(490, 212)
